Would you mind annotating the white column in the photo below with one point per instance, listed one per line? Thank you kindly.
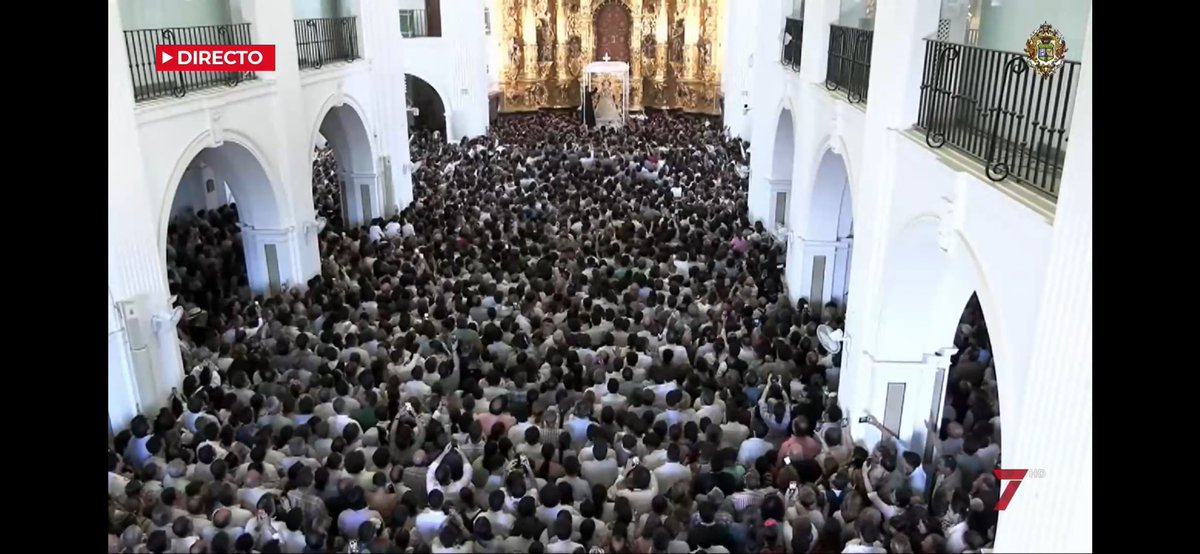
(355, 200)
(765, 97)
(1053, 431)
(382, 46)
(807, 252)
(814, 60)
(839, 288)
(123, 399)
(920, 380)
(136, 256)
(896, 65)
(285, 268)
(273, 23)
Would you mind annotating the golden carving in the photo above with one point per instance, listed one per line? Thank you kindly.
(674, 49)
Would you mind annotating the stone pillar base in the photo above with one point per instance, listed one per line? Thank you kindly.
(280, 258)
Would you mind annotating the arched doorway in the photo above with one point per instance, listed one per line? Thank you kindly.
(829, 237)
(969, 429)
(919, 341)
(427, 108)
(346, 188)
(612, 23)
(972, 395)
(781, 170)
(222, 192)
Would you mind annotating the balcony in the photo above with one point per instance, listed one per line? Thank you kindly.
(989, 105)
(149, 84)
(326, 39)
(849, 68)
(414, 24)
(793, 41)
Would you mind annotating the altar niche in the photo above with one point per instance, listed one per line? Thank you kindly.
(612, 27)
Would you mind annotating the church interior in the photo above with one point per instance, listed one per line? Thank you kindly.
(601, 276)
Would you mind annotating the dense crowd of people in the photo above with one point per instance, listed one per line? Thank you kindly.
(573, 340)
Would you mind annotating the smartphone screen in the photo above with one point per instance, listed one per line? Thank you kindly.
(863, 419)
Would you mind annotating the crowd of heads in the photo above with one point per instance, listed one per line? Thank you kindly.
(573, 340)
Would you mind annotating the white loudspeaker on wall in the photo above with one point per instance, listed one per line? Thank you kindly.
(133, 327)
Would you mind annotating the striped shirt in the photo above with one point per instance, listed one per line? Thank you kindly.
(316, 516)
(472, 451)
(747, 498)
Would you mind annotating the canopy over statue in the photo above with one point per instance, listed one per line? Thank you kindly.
(609, 83)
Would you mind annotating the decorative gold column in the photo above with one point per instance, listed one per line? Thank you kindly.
(529, 37)
(660, 44)
(691, 38)
(635, 56)
(560, 35)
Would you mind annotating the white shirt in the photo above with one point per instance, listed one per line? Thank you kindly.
(856, 546)
(670, 473)
(116, 486)
(392, 230)
(751, 450)
(562, 547)
(600, 472)
(956, 538)
(714, 413)
(656, 459)
(916, 481)
(577, 426)
(429, 524)
(501, 522)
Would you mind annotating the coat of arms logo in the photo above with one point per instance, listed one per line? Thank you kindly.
(1045, 50)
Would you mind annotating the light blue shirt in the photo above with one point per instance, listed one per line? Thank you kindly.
(916, 481)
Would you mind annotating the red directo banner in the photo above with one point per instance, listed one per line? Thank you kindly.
(214, 57)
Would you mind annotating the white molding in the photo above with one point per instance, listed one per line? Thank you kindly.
(150, 111)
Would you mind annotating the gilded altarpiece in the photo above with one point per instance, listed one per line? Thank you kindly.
(673, 51)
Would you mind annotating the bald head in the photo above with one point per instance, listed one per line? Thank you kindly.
(221, 518)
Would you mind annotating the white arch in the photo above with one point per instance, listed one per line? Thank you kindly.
(343, 122)
(836, 144)
(925, 290)
(831, 208)
(433, 84)
(241, 163)
(784, 153)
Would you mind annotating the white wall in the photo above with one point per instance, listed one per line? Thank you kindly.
(929, 230)
(736, 68)
(455, 64)
(495, 60)
(310, 9)
(155, 14)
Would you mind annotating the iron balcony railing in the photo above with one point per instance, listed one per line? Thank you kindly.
(849, 61)
(326, 39)
(413, 24)
(149, 83)
(793, 39)
(991, 106)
